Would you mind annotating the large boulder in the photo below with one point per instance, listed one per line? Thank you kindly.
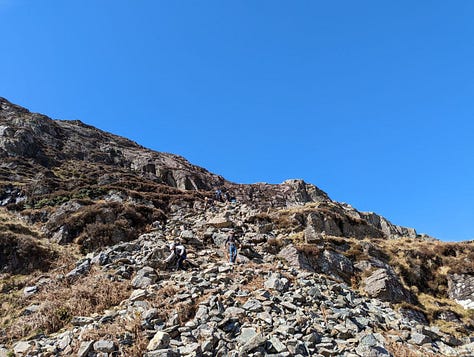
(384, 285)
(323, 261)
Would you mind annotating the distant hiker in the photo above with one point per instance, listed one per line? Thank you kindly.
(218, 195)
(178, 252)
(209, 204)
(231, 244)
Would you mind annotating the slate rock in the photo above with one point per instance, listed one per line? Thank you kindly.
(160, 341)
(386, 286)
(105, 346)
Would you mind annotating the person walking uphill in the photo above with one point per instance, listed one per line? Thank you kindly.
(231, 244)
(178, 251)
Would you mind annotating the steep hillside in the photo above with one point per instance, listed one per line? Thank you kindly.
(84, 223)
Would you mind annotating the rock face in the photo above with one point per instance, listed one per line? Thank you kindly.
(325, 261)
(461, 289)
(49, 142)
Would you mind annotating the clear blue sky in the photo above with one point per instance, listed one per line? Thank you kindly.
(372, 101)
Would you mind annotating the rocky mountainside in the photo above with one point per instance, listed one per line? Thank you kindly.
(85, 220)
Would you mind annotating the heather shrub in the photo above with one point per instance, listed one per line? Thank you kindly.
(22, 254)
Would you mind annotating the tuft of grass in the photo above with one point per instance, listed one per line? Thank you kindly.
(309, 250)
(432, 306)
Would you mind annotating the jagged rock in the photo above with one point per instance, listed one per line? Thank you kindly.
(336, 222)
(277, 345)
(461, 289)
(389, 229)
(105, 346)
(145, 277)
(160, 341)
(234, 311)
(65, 340)
(191, 349)
(447, 315)
(383, 285)
(336, 264)
(311, 236)
(22, 347)
(419, 338)
(31, 309)
(138, 294)
(81, 269)
(466, 350)
(221, 222)
(414, 315)
(253, 305)
(328, 262)
(85, 348)
(102, 258)
(276, 282)
(251, 341)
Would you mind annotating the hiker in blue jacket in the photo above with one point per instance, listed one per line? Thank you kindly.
(231, 244)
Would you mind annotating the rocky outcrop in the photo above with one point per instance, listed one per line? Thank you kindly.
(49, 142)
(322, 261)
(384, 285)
(461, 289)
(335, 223)
(389, 229)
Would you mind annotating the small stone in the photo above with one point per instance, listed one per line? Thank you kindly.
(31, 309)
(265, 316)
(252, 305)
(137, 294)
(85, 348)
(245, 335)
(21, 347)
(81, 320)
(234, 311)
(419, 339)
(30, 290)
(104, 346)
(161, 340)
(277, 345)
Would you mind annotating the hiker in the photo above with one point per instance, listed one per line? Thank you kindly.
(209, 204)
(231, 244)
(178, 251)
(218, 195)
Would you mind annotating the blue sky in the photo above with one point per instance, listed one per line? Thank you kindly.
(372, 101)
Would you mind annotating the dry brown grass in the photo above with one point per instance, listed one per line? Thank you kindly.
(309, 249)
(60, 301)
(164, 301)
(432, 306)
(398, 349)
(116, 330)
(22, 254)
